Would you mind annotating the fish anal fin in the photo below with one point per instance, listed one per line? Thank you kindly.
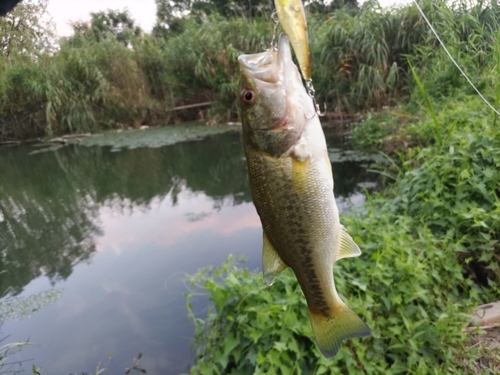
(347, 246)
(331, 331)
(272, 265)
(300, 170)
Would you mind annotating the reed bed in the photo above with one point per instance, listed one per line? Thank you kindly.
(98, 80)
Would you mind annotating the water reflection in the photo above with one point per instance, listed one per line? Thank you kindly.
(116, 231)
(49, 202)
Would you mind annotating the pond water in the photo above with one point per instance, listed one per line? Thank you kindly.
(96, 239)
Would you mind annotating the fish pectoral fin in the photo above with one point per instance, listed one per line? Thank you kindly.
(272, 265)
(300, 170)
(331, 331)
(348, 248)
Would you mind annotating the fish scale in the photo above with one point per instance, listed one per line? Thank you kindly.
(286, 224)
(292, 188)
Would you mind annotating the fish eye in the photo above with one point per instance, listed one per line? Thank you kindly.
(248, 96)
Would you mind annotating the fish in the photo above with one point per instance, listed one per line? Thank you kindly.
(292, 17)
(291, 182)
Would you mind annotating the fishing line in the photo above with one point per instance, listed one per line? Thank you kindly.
(453, 60)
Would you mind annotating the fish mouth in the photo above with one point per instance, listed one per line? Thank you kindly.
(269, 66)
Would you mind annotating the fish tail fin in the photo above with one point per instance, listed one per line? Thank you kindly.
(343, 323)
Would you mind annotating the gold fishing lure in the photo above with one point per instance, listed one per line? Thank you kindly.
(292, 17)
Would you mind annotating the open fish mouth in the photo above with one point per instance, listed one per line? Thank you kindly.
(270, 66)
(257, 61)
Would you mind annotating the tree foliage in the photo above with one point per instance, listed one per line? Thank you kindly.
(109, 24)
(171, 14)
(27, 30)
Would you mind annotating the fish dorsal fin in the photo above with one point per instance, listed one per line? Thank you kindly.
(272, 265)
(348, 248)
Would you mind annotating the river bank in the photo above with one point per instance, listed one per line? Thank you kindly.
(430, 254)
(120, 77)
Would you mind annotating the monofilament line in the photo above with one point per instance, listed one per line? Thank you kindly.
(453, 60)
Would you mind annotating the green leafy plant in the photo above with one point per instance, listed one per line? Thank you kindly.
(430, 253)
(407, 286)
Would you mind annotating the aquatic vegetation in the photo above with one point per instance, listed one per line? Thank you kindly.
(18, 307)
(8, 350)
(155, 137)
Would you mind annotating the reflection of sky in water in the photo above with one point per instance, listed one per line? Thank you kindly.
(129, 297)
(162, 224)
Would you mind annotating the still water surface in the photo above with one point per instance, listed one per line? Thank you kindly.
(95, 241)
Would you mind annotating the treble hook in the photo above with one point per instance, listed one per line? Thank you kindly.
(311, 92)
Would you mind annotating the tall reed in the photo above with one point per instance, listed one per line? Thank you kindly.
(359, 63)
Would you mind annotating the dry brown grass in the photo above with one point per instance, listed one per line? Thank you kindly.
(487, 341)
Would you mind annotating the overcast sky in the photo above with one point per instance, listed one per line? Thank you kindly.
(64, 11)
(143, 11)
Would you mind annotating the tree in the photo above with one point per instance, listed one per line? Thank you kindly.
(322, 6)
(27, 29)
(114, 24)
(170, 14)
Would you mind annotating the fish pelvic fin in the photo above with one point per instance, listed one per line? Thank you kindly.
(341, 325)
(347, 248)
(272, 265)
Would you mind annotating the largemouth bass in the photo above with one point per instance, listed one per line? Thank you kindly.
(292, 188)
(292, 17)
